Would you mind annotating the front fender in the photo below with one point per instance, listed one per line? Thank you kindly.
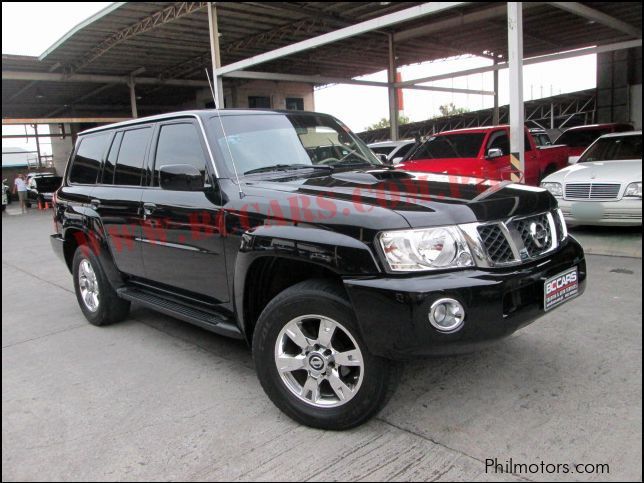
(341, 254)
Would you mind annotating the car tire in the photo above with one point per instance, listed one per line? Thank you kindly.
(97, 299)
(349, 386)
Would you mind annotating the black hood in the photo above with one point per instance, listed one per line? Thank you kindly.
(422, 199)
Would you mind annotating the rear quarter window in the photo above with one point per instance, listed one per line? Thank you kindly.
(88, 158)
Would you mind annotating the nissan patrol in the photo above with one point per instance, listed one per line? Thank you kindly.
(283, 229)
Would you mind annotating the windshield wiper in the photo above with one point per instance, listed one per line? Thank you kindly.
(286, 167)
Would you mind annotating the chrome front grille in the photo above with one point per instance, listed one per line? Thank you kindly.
(519, 240)
(496, 244)
(592, 191)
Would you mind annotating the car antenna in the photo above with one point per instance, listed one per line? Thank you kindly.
(223, 130)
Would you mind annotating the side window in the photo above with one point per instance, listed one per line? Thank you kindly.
(526, 142)
(87, 161)
(129, 165)
(499, 140)
(294, 104)
(110, 162)
(402, 152)
(179, 144)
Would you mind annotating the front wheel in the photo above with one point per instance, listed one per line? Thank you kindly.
(312, 362)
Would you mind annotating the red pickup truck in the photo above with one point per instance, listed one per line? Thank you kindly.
(484, 152)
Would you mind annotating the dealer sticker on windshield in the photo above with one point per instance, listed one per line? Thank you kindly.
(560, 289)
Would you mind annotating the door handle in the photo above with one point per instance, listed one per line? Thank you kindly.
(148, 209)
(95, 204)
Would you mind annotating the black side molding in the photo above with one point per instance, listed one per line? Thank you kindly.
(207, 320)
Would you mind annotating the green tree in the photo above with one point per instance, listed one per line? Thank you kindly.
(451, 110)
(384, 122)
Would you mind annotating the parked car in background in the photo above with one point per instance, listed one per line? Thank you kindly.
(484, 152)
(394, 150)
(331, 270)
(42, 188)
(604, 187)
(578, 138)
(540, 136)
(5, 194)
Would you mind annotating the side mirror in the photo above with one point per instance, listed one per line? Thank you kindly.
(181, 177)
(397, 160)
(494, 153)
(383, 158)
(573, 159)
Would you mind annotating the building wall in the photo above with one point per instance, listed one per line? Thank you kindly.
(618, 75)
(237, 95)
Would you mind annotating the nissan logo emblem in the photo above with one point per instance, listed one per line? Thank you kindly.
(316, 363)
(539, 234)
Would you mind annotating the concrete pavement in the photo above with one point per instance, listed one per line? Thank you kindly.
(154, 399)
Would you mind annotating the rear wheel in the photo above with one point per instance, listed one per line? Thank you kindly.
(97, 299)
(312, 362)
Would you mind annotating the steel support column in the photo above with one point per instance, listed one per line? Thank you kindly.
(392, 91)
(35, 126)
(495, 112)
(213, 27)
(515, 63)
(131, 85)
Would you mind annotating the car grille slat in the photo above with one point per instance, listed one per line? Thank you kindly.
(502, 240)
(496, 244)
(592, 191)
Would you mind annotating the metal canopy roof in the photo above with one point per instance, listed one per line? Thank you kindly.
(165, 42)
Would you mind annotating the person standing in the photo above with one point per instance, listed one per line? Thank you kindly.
(20, 186)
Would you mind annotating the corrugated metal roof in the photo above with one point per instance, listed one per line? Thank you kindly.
(171, 40)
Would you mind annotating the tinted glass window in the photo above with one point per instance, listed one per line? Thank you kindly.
(581, 139)
(87, 161)
(402, 152)
(267, 142)
(110, 162)
(48, 184)
(179, 144)
(129, 166)
(450, 146)
(613, 149)
(383, 150)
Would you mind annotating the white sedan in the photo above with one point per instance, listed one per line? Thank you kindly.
(604, 186)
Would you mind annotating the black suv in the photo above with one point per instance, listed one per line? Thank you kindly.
(285, 230)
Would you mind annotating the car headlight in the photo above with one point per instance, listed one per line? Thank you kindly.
(555, 188)
(425, 249)
(633, 190)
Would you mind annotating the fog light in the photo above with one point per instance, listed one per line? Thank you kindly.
(447, 315)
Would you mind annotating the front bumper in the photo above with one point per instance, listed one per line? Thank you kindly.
(625, 212)
(393, 312)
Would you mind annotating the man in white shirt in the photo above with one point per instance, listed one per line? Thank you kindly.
(20, 186)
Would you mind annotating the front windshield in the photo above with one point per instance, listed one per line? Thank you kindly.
(268, 142)
(450, 146)
(614, 149)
